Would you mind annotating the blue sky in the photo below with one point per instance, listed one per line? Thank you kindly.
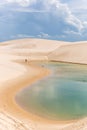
(51, 19)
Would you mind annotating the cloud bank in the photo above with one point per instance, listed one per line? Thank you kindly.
(43, 18)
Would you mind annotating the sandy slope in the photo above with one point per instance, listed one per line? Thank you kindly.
(76, 53)
(14, 76)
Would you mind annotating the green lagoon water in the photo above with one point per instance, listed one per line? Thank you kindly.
(60, 96)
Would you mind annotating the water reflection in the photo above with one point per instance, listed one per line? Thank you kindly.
(60, 96)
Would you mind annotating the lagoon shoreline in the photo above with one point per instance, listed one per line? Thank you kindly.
(15, 76)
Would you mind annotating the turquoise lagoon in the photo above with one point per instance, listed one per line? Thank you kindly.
(60, 96)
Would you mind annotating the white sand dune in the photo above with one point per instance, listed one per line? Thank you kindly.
(76, 53)
(15, 75)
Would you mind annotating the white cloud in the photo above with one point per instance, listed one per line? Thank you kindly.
(78, 4)
(55, 7)
(43, 35)
(62, 10)
(21, 36)
(71, 32)
(56, 15)
(23, 3)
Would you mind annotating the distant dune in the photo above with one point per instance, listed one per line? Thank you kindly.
(39, 49)
(15, 73)
(76, 53)
(32, 49)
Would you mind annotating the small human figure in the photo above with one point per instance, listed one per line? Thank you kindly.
(25, 60)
